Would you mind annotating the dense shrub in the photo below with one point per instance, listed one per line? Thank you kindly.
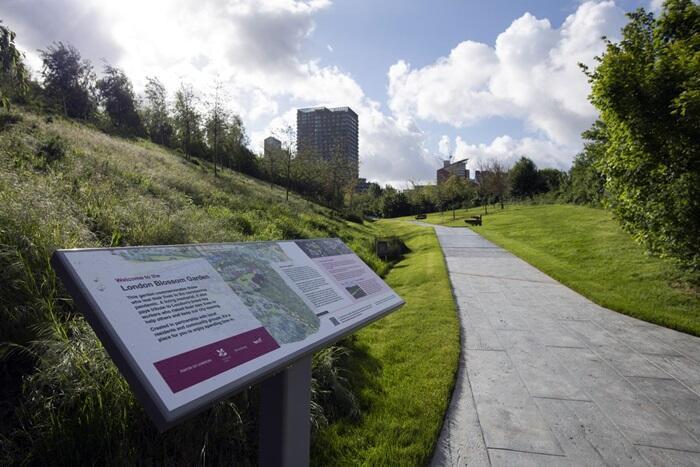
(647, 91)
(52, 149)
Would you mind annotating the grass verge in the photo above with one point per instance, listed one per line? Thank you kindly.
(403, 366)
(585, 249)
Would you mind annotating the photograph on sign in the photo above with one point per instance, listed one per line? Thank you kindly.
(196, 318)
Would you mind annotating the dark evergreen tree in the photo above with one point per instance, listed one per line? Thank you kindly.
(525, 180)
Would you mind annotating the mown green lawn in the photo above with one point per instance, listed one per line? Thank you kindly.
(404, 366)
(586, 249)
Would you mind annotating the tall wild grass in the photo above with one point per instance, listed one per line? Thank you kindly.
(64, 185)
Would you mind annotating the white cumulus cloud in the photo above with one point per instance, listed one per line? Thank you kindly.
(531, 74)
(508, 150)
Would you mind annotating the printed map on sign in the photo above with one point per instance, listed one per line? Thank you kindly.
(247, 270)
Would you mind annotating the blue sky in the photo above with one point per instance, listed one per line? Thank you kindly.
(367, 37)
(483, 80)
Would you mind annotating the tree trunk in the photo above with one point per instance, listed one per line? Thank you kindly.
(289, 169)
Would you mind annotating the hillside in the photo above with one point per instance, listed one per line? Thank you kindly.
(65, 185)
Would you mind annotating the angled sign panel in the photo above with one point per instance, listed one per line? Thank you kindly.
(188, 325)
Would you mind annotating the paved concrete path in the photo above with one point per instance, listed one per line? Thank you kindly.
(547, 377)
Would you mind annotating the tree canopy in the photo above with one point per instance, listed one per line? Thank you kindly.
(524, 178)
(13, 73)
(69, 81)
(647, 89)
(117, 96)
(156, 113)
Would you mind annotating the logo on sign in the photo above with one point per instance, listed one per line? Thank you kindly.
(221, 352)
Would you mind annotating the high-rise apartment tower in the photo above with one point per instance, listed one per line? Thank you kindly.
(329, 133)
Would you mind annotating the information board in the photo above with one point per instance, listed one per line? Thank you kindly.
(188, 325)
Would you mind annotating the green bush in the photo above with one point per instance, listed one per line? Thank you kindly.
(52, 149)
(647, 91)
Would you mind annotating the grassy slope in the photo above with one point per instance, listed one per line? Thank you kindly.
(103, 191)
(99, 191)
(585, 249)
(409, 366)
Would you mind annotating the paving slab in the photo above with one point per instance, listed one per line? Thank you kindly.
(508, 415)
(658, 456)
(635, 415)
(674, 398)
(548, 377)
(505, 458)
(587, 435)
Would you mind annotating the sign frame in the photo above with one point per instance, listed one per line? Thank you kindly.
(145, 393)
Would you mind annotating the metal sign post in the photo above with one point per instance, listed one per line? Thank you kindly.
(285, 425)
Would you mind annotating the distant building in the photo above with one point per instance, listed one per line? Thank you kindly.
(479, 175)
(326, 133)
(458, 169)
(272, 146)
(362, 185)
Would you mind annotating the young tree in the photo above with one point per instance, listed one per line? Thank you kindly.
(341, 172)
(456, 191)
(156, 115)
(187, 120)
(69, 81)
(239, 156)
(117, 96)
(495, 181)
(288, 136)
(647, 90)
(216, 125)
(13, 73)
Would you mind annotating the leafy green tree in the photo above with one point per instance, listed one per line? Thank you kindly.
(494, 182)
(525, 180)
(456, 190)
(585, 183)
(288, 137)
(13, 74)
(394, 203)
(647, 89)
(551, 179)
(421, 198)
(188, 123)
(116, 94)
(157, 117)
(238, 156)
(375, 190)
(69, 81)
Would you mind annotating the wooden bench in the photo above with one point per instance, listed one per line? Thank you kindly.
(474, 220)
(421, 216)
